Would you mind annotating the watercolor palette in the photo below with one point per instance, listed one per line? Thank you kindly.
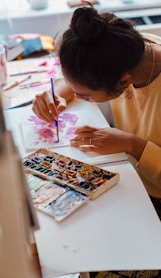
(82, 177)
(54, 199)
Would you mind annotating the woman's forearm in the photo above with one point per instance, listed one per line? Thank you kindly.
(136, 146)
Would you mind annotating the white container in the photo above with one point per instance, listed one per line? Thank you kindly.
(38, 4)
(128, 1)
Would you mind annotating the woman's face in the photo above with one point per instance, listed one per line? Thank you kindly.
(87, 94)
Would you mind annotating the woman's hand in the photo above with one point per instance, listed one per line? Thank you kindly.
(45, 108)
(107, 141)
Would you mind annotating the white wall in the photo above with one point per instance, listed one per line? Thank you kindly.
(55, 19)
(50, 24)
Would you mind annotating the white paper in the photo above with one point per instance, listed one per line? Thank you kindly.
(39, 134)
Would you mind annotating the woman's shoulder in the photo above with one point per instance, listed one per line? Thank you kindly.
(151, 37)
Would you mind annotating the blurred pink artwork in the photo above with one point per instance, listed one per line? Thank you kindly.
(39, 134)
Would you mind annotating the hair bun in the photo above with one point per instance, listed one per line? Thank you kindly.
(87, 24)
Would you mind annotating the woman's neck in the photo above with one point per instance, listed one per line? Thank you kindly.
(149, 67)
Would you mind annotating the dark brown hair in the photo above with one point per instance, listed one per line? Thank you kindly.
(97, 49)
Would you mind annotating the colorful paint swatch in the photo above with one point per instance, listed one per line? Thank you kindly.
(43, 192)
(47, 194)
(66, 204)
(34, 182)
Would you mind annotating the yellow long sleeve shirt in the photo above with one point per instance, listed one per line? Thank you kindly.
(139, 111)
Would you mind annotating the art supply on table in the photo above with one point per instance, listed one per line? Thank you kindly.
(56, 121)
(28, 72)
(82, 177)
(16, 83)
(33, 84)
(20, 105)
(54, 199)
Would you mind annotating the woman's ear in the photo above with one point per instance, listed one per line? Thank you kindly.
(124, 81)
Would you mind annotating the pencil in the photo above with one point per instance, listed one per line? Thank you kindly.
(28, 102)
(27, 72)
(33, 84)
(56, 121)
(16, 83)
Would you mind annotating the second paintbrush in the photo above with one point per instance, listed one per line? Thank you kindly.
(56, 121)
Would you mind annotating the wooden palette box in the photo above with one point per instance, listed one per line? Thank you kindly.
(78, 180)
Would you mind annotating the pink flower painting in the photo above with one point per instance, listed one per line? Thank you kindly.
(41, 134)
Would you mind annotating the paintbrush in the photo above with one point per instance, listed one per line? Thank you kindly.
(56, 121)
(16, 83)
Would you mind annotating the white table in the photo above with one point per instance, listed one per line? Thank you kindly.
(119, 230)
